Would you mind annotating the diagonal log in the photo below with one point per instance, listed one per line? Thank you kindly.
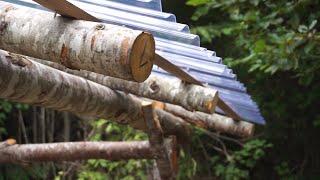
(171, 90)
(74, 151)
(175, 70)
(164, 89)
(66, 8)
(25, 81)
(103, 48)
(211, 121)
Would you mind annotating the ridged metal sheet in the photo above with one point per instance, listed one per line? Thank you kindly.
(174, 42)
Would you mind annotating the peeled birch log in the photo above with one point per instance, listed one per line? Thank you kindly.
(25, 81)
(173, 91)
(211, 121)
(102, 48)
(75, 151)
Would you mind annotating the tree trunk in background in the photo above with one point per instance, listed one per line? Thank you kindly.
(66, 126)
(212, 121)
(74, 151)
(43, 124)
(171, 90)
(34, 124)
(106, 49)
(25, 81)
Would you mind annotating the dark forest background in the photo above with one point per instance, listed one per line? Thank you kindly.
(274, 48)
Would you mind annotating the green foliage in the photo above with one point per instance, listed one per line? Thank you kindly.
(239, 163)
(103, 169)
(274, 48)
(17, 172)
(5, 109)
(269, 36)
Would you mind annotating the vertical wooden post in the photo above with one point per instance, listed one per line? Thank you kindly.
(165, 153)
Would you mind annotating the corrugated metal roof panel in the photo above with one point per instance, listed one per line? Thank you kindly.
(175, 43)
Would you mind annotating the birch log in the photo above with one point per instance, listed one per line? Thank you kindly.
(170, 90)
(102, 48)
(211, 121)
(75, 151)
(25, 81)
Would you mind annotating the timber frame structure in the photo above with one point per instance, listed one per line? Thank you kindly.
(108, 67)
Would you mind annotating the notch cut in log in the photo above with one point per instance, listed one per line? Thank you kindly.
(170, 90)
(66, 8)
(75, 151)
(102, 48)
(25, 81)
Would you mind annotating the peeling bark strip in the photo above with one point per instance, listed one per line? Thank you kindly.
(102, 48)
(212, 121)
(25, 81)
(74, 151)
(173, 91)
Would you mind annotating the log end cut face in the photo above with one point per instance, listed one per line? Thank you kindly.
(142, 56)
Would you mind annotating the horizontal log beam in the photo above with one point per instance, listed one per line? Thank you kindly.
(174, 91)
(103, 48)
(26, 81)
(203, 120)
(74, 151)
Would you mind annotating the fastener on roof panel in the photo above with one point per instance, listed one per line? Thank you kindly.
(150, 4)
(133, 9)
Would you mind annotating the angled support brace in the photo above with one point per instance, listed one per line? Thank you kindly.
(67, 9)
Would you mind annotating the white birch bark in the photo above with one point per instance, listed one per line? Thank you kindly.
(74, 151)
(102, 48)
(170, 90)
(25, 81)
